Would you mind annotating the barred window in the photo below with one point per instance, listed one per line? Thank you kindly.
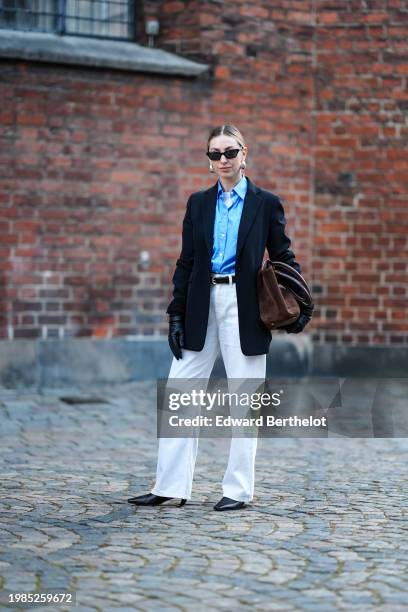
(99, 18)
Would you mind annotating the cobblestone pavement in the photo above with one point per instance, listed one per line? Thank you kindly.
(327, 529)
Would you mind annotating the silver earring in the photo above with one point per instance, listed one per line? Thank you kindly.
(243, 165)
(211, 168)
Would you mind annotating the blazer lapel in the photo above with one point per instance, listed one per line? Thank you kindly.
(249, 212)
(208, 210)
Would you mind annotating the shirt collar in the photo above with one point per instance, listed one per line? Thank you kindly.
(240, 188)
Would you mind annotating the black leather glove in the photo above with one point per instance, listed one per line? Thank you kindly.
(176, 334)
(303, 319)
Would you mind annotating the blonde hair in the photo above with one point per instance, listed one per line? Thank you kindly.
(228, 130)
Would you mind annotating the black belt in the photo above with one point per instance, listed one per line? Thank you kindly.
(228, 280)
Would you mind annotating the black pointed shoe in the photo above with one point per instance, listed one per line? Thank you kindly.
(227, 503)
(149, 499)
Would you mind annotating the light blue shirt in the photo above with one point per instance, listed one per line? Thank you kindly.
(226, 225)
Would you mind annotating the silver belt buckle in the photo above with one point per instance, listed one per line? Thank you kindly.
(213, 279)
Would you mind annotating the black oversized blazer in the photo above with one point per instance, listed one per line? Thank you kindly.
(262, 225)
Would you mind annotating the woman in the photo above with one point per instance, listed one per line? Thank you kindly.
(226, 229)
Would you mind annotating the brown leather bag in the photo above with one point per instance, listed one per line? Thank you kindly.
(281, 290)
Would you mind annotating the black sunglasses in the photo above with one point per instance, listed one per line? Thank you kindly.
(229, 154)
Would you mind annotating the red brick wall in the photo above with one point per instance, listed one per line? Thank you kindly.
(360, 211)
(97, 166)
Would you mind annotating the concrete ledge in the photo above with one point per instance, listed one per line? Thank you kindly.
(375, 361)
(80, 361)
(49, 363)
(98, 53)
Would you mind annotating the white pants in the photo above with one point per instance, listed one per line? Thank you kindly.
(177, 456)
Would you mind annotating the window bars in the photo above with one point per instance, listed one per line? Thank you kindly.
(96, 18)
